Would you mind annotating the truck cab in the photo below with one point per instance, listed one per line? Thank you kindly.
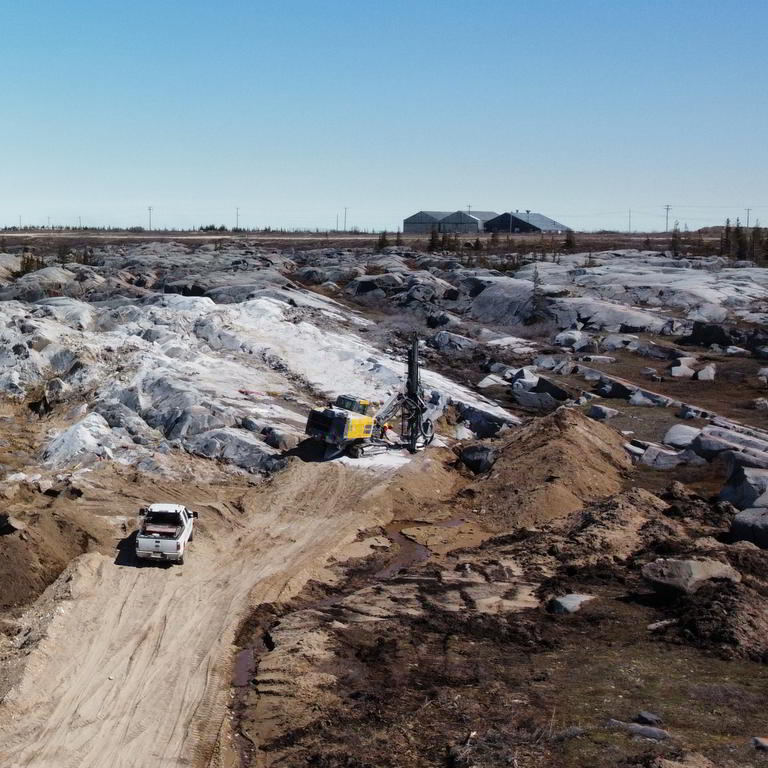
(164, 532)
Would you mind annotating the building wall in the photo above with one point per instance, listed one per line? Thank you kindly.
(421, 223)
(460, 223)
(502, 224)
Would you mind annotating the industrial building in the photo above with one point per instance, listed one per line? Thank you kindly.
(524, 221)
(424, 222)
(466, 222)
(474, 222)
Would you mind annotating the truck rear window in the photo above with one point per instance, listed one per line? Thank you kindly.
(163, 518)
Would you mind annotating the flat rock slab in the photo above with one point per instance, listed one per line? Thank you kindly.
(686, 576)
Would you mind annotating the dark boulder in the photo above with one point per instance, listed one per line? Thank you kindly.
(751, 525)
(478, 458)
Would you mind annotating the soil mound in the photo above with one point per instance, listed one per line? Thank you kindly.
(729, 618)
(549, 469)
(47, 534)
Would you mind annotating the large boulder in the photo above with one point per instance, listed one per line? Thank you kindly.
(657, 457)
(681, 372)
(446, 341)
(680, 436)
(482, 423)
(619, 341)
(599, 314)
(573, 339)
(506, 301)
(376, 285)
(601, 412)
(522, 378)
(686, 576)
(535, 401)
(236, 446)
(745, 486)
(478, 458)
(751, 525)
(549, 387)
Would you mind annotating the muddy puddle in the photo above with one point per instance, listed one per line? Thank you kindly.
(409, 552)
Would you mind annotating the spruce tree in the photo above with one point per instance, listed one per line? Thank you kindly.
(725, 245)
(382, 242)
(570, 241)
(398, 238)
(739, 241)
(537, 297)
(675, 241)
(434, 241)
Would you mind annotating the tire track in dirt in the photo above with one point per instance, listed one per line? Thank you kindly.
(134, 670)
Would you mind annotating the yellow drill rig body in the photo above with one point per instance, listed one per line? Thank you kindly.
(349, 425)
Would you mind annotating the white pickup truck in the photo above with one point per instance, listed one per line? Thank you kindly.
(164, 531)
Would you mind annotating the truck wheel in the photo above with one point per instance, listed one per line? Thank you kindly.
(191, 535)
(180, 561)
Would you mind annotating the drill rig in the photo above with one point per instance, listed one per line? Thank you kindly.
(348, 425)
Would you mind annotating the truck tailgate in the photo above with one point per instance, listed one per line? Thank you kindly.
(155, 544)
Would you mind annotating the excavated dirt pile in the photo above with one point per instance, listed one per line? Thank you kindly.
(476, 659)
(547, 470)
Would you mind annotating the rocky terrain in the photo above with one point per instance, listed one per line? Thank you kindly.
(573, 574)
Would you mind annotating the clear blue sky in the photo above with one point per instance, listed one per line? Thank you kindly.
(292, 110)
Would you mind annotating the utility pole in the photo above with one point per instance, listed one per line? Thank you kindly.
(237, 218)
(79, 222)
(149, 208)
(748, 210)
(666, 221)
(49, 222)
(19, 221)
(345, 218)
(337, 222)
(629, 228)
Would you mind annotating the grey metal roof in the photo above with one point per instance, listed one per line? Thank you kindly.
(479, 215)
(539, 220)
(437, 215)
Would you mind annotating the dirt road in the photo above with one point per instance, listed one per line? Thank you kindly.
(134, 669)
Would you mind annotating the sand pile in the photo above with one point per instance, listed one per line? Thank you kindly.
(549, 469)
